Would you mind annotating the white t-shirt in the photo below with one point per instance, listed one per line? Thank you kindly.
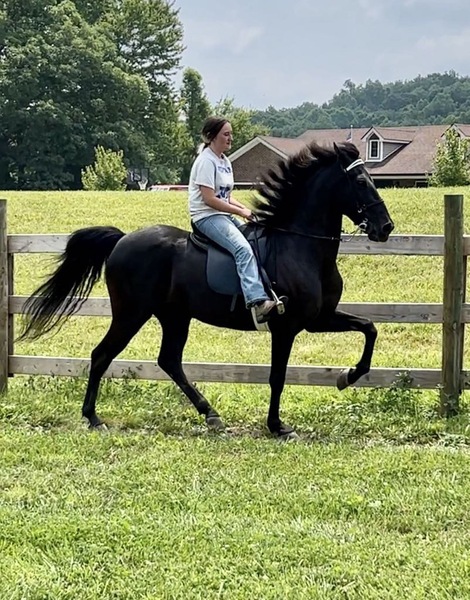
(213, 172)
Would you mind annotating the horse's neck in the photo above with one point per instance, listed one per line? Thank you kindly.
(320, 219)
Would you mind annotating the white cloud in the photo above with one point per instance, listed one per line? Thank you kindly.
(432, 3)
(372, 8)
(245, 37)
(450, 45)
(229, 35)
(428, 53)
(303, 50)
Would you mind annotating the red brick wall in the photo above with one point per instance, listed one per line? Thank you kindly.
(248, 167)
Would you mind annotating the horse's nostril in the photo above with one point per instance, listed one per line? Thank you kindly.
(388, 227)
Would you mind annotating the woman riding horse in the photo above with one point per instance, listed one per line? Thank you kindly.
(158, 271)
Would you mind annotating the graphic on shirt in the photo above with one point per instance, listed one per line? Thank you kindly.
(224, 192)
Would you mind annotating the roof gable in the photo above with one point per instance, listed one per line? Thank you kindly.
(392, 134)
(281, 146)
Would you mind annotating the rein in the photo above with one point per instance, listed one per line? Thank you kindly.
(312, 235)
(293, 232)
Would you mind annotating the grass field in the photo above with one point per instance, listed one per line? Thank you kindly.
(371, 503)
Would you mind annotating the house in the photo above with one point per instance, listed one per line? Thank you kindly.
(394, 156)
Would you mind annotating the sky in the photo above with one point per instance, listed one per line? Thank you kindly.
(282, 53)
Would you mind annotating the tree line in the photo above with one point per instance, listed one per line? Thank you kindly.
(439, 98)
(77, 75)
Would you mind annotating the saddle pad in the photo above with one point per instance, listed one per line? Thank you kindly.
(221, 272)
(222, 275)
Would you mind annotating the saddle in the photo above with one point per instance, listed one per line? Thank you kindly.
(221, 272)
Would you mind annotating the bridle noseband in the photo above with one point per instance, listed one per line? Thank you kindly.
(361, 209)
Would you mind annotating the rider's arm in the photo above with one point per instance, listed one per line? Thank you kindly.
(209, 197)
(235, 202)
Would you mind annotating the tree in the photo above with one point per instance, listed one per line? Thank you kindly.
(452, 161)
(107, 173)
(63, 90)
(149, 35)
(195, 108)
(75, 75)
(194, 104)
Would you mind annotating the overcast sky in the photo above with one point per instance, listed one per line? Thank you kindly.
(286, 52)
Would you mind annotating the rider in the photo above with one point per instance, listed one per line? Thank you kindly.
(213, 208)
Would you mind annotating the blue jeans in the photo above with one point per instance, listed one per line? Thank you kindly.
(224, 230)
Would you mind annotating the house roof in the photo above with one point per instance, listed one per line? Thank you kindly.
(282, 146)
(285, 145)
(463, 129)
(414, 153)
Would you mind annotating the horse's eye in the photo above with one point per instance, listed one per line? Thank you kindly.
(361, 182)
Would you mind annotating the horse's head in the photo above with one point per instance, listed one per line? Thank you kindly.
(360, 199)
(313, 189)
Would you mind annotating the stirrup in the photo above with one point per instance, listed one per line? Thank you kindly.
(259, 326)
(280, 302)
(280, 307)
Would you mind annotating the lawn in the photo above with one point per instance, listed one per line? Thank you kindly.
(370, 503)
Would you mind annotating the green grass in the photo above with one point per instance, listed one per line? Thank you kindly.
(371, 503)
(139, 516)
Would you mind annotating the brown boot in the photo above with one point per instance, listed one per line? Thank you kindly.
(262, 310)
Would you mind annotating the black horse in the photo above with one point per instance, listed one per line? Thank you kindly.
(158, 271)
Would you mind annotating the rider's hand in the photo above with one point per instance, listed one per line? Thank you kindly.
(245, 213)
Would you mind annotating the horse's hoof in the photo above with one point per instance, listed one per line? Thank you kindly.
(343, 382)
(285, 432)
(215, 423)
(289, 437)
(101, 427)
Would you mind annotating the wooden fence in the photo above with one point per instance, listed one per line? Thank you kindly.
(453, 313)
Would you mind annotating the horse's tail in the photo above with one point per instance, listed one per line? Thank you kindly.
(68, 287)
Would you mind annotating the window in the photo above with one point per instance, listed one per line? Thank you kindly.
(374, 149)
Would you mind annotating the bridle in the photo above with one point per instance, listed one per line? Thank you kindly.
(363, 208)
(356, 163)
(360, 210)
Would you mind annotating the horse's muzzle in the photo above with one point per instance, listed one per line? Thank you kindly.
(382, 234)
(386, 231)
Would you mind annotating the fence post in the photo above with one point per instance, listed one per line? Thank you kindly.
(11, 317)
(454, 289)
(3, 297)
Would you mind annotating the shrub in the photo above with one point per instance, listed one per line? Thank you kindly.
(452, 161)
(107, 173)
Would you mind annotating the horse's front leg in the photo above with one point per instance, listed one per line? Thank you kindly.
(341, 321)
(281, 347)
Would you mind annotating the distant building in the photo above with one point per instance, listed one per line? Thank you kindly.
(394, 156)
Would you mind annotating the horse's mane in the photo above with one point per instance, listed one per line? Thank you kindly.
(280, 191)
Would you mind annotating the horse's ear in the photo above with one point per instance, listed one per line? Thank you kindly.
(343, 159)
(338, 151)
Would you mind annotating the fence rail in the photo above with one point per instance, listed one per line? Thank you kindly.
(412, 245)
(453, 314)
(379, 312)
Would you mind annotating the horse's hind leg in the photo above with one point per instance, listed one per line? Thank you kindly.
(120, 333)
(175, 333)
